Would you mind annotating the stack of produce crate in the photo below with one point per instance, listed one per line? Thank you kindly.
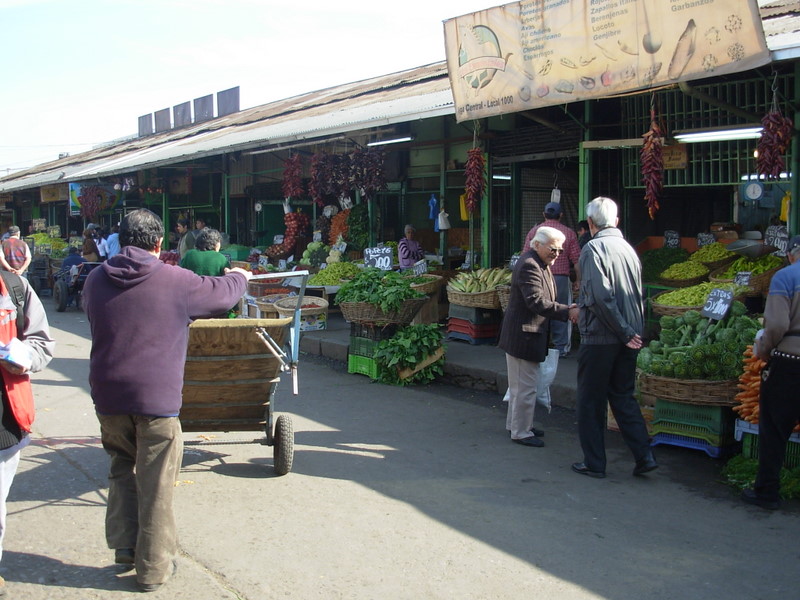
(473, 324)
(364, 339)
(747, 433)
(702, 427)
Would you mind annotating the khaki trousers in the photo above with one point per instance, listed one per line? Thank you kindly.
(522, 376)
(146, 454)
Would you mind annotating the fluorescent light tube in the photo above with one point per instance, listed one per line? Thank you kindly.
(407, 138)
(719, 135)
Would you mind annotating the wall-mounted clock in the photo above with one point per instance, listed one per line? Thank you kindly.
(753, 190)
(258, 206)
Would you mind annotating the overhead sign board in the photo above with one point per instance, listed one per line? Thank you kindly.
(535, 53)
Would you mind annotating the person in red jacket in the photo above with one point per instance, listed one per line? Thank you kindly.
(139, 311)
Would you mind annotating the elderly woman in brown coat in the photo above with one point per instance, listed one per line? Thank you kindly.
(526, 330)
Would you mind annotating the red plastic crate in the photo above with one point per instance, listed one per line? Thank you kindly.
(473, 331)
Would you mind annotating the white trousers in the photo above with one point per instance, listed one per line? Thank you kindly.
(522, 375)
(8, 468)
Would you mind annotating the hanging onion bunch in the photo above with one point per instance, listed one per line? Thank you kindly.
(774, 143)
(293, 176)
(475, 178)
(653, 165)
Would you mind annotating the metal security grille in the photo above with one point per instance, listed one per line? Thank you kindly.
(710, 163)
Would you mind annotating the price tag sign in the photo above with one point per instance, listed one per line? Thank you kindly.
(672, 239)
(317, 237)
(777, 236)
(76, 242)
(340, 246)
(282, 265)
(378, 257)
(742, 278)
(704, 239)
(54, 231)
(46, 249)
(717, 304)
(278, 239)
(263, 261)
(513, 261)
(420, 267)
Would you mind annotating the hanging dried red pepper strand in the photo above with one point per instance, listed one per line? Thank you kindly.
(774, 141)
(474, 178)
(652, 158)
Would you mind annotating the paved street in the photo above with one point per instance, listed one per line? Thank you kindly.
(395, 494)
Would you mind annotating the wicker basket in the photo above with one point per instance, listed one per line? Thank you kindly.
(312, 305)
(487, 299)
(688, 391)
(503, 295)
(680, 283)
(266, 304)
(672, 311)
(365, 312)
(265, 287)
(721, 262)
(430, 286)
(242, 264)
(759, 284)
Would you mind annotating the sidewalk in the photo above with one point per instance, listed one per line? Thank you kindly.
(481, 367)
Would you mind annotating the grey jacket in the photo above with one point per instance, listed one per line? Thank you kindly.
(611, 290)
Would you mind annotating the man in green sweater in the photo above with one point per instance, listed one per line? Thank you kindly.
(205, 258)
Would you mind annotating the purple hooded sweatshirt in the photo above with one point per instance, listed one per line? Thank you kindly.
(139, 310)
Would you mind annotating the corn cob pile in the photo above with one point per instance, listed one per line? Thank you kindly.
(480, 280)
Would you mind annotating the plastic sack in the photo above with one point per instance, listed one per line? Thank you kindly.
(547, 373)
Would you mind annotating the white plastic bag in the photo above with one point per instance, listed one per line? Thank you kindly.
(547, 373)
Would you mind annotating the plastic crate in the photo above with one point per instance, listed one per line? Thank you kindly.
(363, 346)
(684, 441)
(713, 424)
(475, 315)
(748, 434)
(362, 365)
(475, 331)
(456, 335)
(372, 332)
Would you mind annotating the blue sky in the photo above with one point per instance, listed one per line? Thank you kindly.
(76, 74)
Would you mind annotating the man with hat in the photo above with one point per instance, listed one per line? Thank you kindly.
(16, 256)
(561, 331)
(779, 405)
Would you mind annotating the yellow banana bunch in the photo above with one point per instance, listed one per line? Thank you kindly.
(480, 280)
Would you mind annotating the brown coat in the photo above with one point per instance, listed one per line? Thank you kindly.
(531, 305)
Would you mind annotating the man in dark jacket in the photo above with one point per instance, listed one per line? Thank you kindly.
(526, 330)
(139, 310)
(611, 323)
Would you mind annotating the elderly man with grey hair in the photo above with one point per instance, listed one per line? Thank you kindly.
(525, 334)
(779, 404)
(611, 323)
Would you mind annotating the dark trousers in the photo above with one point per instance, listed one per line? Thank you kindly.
(607, 377)
(778, 414)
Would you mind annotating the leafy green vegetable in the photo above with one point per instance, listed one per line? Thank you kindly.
(387, 289)
(407, 348)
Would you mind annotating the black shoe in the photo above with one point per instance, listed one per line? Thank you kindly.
(152, 587)
(645, 465)
(124, 556)
(584, 470)
(530, 441)
(537, 432)
(751, 497)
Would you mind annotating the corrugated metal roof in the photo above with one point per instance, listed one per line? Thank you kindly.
(417, 93)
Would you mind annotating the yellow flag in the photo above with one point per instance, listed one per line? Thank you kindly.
(785, 202)
(462, 203)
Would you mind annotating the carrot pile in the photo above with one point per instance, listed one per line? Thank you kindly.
(750, 386)
(338, 226)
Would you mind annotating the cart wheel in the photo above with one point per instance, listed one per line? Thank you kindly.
(61, 295)
(283, 450)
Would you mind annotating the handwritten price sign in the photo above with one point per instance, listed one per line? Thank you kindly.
(378, 257)
(717, 304)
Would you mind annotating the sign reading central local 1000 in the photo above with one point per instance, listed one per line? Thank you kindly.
(378, 257)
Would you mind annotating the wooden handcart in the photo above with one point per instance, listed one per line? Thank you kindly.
(232, 369)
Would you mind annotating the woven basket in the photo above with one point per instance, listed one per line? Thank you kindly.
(430, 286)
(679, 283)
(487, 299)
(688, 391)
(242, 264)
(365, 312)
(266, 304)
(265, 287)
(672, 311)
(287, 306)
(759, 284)
(503, 295)
(721, 262)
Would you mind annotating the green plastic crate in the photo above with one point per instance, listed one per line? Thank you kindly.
(362, 365)
(750, 450)
(714, 424)
(363, 346)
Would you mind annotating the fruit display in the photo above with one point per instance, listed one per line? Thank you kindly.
(755, 267)
(710, 253)
(480, 280)
(689, 269)
(334, 273)
(693, 347)
(696, 295)
(658, 259)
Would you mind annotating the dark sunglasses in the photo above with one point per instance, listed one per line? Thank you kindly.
(556, 250)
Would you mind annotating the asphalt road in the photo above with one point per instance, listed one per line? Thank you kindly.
(395, 494)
